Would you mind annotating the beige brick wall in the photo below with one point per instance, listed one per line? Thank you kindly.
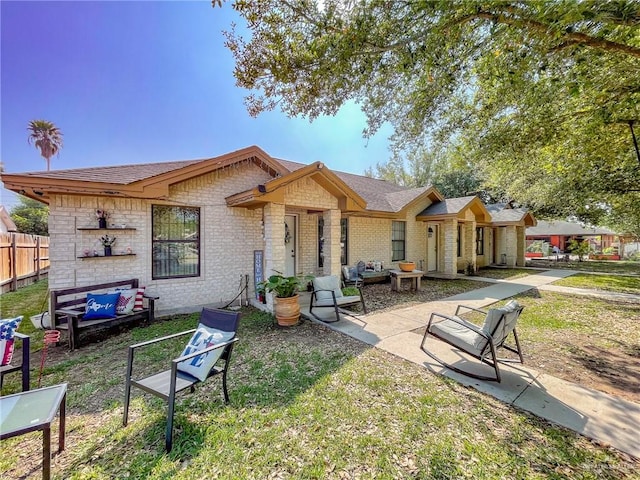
(228, 238)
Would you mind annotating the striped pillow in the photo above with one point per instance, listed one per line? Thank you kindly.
(138, 304)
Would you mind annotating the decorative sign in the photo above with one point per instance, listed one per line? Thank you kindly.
(258, 272)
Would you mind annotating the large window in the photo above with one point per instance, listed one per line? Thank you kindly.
(479, 241)
(176, 241)
(344, 234)
(398, 236)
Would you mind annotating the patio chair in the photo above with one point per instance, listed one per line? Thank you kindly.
(211, 343)
(327, 293)
(480, 342)
(350, 276)
(8, 363)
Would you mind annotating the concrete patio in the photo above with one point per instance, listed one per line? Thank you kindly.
(608, 419)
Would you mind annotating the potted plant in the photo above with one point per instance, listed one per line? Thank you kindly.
(287, 307)
(107, 243)
(102, 216)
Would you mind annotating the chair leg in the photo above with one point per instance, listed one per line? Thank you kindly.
(25, 364)
(456, 369)
(169, 431)
(225, 392)
(127, 387)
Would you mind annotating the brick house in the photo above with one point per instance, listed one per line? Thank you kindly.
(190, 230)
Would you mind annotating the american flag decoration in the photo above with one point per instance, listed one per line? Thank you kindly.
(7, 331)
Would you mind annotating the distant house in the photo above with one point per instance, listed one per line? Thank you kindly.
(559, 233)
(191, 229)
(6, 223)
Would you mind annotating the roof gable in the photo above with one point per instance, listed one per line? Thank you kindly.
(150, 180)
(455, 208)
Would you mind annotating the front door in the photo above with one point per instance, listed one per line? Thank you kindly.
(289, 245)
(432, 247)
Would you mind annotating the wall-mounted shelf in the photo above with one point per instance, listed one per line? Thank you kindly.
(109, 256)
(108, 228)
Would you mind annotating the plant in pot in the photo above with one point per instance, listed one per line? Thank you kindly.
(287, 307)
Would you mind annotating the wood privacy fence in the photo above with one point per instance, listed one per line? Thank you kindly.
(24, 259)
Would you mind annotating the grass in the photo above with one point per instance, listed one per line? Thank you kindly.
(627, 267)
(505, 273)
(306, 402)
(612, 283)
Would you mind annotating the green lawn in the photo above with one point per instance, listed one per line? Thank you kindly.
(306, 402)
(612, 283)
(623, 266)
(505, 273)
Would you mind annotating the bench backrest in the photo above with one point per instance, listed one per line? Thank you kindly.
(76, 296)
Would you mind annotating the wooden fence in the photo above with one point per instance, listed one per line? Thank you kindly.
(24, 259)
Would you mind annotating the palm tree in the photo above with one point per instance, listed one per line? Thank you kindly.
(46, 137)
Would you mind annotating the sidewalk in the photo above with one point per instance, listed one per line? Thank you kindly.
(593, 414)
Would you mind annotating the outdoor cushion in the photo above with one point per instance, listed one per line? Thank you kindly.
(8, 329)
(101, 306)
(342, 300)
(126, 301)
(202, 338)
(323, 286)
(139, 305)
(493, 318)
(459, 336)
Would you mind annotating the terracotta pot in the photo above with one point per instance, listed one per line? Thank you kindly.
(407, 266)
(287, 310)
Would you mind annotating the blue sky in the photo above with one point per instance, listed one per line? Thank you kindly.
(147, 81)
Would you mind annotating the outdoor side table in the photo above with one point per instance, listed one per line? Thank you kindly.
(35, 410)
(398, 275)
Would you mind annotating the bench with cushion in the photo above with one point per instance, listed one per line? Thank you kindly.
(91, 306)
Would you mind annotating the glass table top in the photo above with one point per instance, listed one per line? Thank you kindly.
(27, 410)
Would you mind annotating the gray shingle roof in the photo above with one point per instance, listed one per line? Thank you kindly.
(500, 213)
(380, 195)
(119, 174)
(449, 206)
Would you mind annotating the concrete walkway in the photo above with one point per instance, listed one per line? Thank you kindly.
(594, 414)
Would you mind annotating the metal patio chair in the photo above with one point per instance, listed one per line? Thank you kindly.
(211, 344)
(327, 293)
(480, 342)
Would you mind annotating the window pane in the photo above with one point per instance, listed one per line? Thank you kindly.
(479, 241)
(397, 241)
(320, 241)
(344, 236)
(176, 241)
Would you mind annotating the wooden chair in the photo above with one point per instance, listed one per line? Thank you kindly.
(202, 350)
(23, 367)
(480, 342)
(327, 292)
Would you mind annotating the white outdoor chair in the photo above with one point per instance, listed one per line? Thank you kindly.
(480, 342)
(327, 293)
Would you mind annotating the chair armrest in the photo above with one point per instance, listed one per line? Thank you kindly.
(204, 350)
(161, 339)
(21, 335)
(470, 308)
(154, 297)
(460, 322)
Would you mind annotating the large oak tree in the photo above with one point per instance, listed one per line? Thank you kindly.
(537, 95)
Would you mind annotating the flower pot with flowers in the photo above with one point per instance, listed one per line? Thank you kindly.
(107, 242)
(102, 216)
(287, 307)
